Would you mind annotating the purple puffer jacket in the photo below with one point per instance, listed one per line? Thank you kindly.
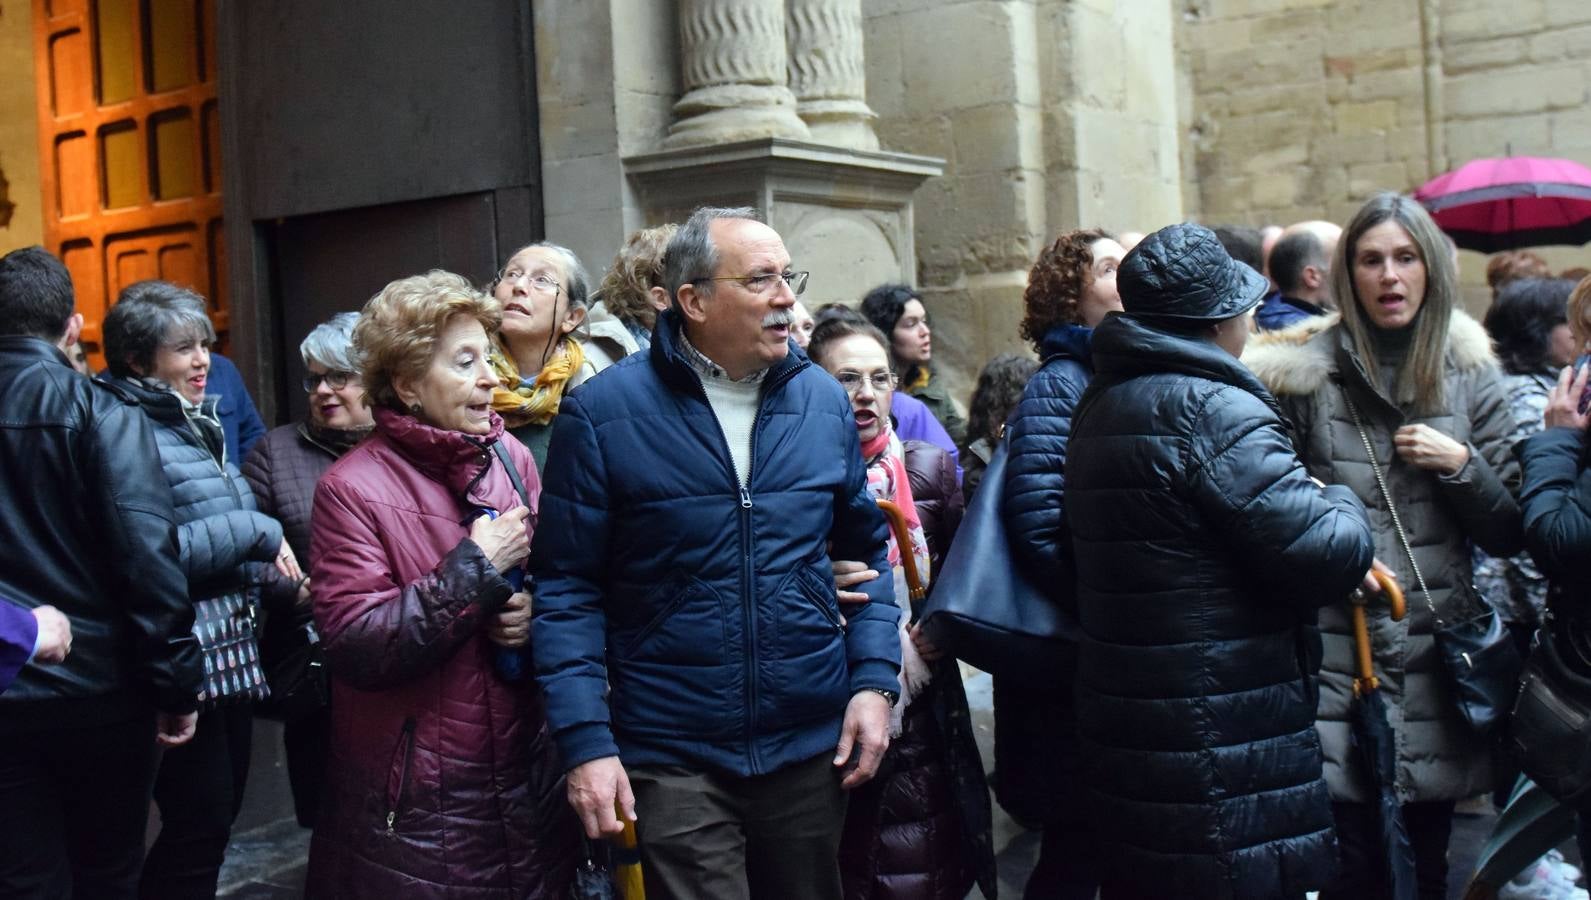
(442, 780)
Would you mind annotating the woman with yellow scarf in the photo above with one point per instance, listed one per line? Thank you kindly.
(542, 350)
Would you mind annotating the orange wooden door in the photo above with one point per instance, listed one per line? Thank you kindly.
(130, 154)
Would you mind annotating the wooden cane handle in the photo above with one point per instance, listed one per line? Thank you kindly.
(1393, 593)
(903, 540)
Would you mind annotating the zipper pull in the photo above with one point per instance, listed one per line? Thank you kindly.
(745, 498)
(391, 815)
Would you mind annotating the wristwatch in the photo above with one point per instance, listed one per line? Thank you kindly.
(891, 696)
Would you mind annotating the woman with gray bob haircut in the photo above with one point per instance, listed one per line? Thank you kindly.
(282, 470)
(157, 342)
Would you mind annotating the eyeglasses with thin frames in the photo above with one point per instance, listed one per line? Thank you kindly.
(544, 283)
(766, 283)
(852, 381)
(336, 380)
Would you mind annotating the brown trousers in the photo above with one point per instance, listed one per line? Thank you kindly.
(711, 836)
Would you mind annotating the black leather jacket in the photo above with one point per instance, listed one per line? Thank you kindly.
(86, 525)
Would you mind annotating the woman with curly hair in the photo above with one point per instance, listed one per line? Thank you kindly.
(1071, 288)
(632, 291)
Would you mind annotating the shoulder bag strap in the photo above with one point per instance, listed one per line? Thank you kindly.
(1397, 522)
(513, 472)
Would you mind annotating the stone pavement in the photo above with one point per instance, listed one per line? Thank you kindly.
(266, 861)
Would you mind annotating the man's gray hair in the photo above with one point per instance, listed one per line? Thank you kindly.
(691, 254)
(147, 315)
(331, 344)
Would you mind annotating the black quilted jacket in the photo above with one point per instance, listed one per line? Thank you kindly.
(219, 531)
(1203, 551)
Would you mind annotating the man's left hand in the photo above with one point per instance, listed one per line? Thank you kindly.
(865, 734)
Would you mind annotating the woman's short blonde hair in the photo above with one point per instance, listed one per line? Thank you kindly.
(1580, 314)
(638, 267)
(398, 329)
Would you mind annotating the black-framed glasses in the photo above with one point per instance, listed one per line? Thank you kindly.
(336, 380)
(852, 381)
(765, 283)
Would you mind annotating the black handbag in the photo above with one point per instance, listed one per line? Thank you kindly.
(1479, 654)
(985, 610)
(224, 626)
(295, 670)
(1550, 729)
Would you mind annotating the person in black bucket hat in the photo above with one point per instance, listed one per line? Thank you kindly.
(1202, 550)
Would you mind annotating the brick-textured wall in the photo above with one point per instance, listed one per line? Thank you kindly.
(1296, 109)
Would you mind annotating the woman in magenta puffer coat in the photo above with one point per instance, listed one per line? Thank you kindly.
(442, 782)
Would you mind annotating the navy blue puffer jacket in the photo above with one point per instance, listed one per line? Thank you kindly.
(1203, 551)
(1035, 471)
(709, 611)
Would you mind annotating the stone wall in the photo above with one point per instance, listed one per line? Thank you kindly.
(1050, 115)
(1297, 109)
(19, 134)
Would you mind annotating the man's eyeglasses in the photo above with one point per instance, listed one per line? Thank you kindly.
(542, 283)
(766, 284)
(335, 380)
(852, 381)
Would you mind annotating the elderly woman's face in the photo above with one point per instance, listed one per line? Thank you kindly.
(183, 361)
(455, 391)
(534, 293)
(861, 366)
(336, 399)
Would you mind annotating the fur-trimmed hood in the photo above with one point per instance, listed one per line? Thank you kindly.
(1299, 359)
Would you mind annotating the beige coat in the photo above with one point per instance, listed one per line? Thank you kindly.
(1307, 368)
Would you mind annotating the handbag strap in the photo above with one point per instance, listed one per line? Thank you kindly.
(513, 472)
(1392, 509)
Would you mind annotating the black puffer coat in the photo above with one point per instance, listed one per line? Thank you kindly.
(920, 830)
(1557, 504)
(1035, 725)
(1203, 551)
(219, 530)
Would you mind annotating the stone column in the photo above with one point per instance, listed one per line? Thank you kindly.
(733, 59)
(828, 73)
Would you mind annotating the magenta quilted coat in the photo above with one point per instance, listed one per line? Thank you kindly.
(442, 782)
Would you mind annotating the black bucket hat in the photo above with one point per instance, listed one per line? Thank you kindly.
(1181, 273)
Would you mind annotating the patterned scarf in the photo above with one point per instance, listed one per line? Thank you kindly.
(887, 480)
(533, 403)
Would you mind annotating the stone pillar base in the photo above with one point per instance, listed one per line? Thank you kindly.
(845, 215)
(726, 113)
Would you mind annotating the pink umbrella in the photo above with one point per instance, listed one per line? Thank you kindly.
(1516, 201)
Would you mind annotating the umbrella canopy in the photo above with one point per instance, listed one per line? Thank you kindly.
(1510, 202)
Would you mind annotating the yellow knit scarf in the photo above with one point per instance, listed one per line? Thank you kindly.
(918, 382)
(536, 403)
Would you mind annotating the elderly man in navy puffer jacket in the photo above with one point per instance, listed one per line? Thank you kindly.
(688, 631)
(1203, 550)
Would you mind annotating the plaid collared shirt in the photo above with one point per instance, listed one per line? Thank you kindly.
(710, 369)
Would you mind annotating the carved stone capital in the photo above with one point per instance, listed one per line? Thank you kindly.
(734, 65)
(828, 71)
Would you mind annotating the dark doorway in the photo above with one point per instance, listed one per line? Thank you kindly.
(367, 140)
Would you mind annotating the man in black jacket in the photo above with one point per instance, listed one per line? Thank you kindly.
(86, 526)
(1203, 551)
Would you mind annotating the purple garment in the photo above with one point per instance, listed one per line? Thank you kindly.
(19, 631)
(913, 422)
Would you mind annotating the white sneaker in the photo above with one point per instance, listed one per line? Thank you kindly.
(1566, 869)
(1541, 881)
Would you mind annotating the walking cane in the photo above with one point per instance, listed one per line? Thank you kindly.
(903, 539)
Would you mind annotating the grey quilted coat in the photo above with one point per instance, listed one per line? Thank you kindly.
(1307, 368)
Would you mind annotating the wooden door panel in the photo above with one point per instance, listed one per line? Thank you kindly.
(131, 147)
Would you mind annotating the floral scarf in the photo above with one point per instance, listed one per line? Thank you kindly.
(536, 402)
(887, 480)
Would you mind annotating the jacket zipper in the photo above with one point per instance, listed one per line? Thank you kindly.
(748, 597)
(406, 747)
